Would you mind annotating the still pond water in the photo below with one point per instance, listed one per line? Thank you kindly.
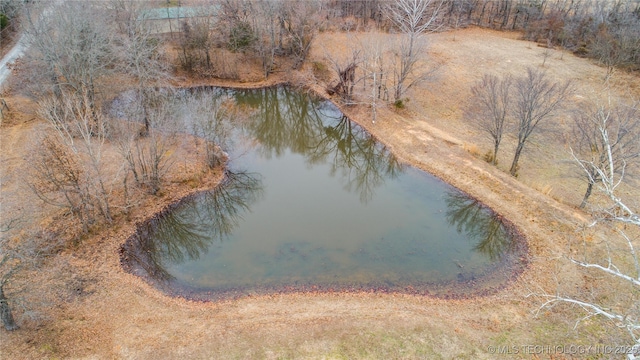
(311, 201)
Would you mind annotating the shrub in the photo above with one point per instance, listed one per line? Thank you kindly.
(488, 157)
(241, 36)
(4, 21)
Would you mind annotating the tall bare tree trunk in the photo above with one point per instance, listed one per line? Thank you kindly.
(496, 145)
(516, 157)
(5, 312)
(586, 195)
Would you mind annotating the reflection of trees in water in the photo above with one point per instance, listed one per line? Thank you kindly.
(184, 232)
(281, 120)
(362, 161)
(284, 120)
(479, 224)
(287, 119)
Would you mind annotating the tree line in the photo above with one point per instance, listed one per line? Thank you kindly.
(608, 31)
(91, 161)
(605, 148)
(521, 106)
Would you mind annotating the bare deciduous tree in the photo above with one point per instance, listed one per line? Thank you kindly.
(619, 264)
(490, 107)
(196, 45)
(139, 52)
(209, 117)
(413, 18)
(601, 128)
(375, 72)
(300, 20)
(147, 153)
(10, 11)
(72, 47)
(366, 67)
(22, 248)
(536, 99)
(68, 167)
(615, 42)
(346, 71)
(269, 28)
(269, 32)
(10, 263)
(234, 22)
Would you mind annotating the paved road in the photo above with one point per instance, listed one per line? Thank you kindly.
(12, 55)
(21, 45)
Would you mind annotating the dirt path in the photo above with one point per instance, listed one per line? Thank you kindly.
(117, 315)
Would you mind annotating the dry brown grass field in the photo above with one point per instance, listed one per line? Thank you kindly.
(104, 312)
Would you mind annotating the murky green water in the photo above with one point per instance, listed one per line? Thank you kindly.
(312, 201)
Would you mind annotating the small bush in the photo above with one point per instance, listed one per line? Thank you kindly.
(582, 51)
(241, 36)
(349, 24)
(471, 149)
(319, 66)
(399, 104)
(321, 71)
(4, 21)
(488, 157)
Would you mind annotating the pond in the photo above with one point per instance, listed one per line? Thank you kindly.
(312, 202)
